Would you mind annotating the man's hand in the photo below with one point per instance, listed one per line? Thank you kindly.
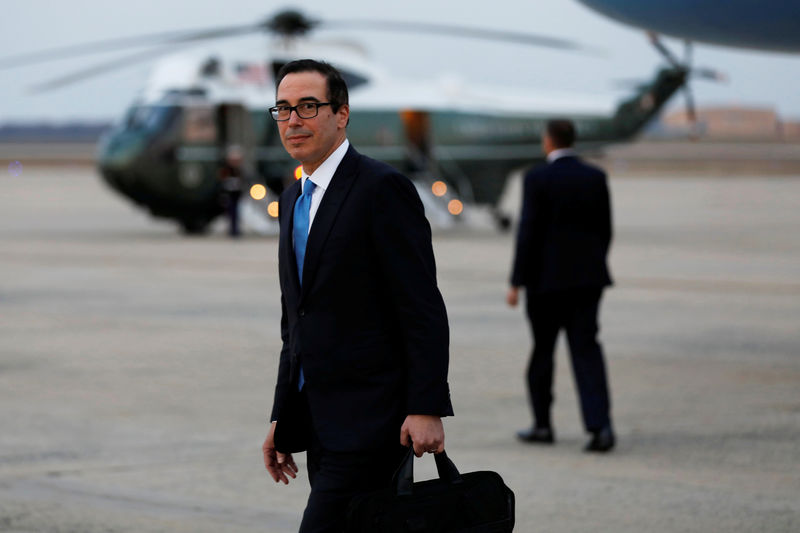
(425, 431)
(512, 298)
(278, 464)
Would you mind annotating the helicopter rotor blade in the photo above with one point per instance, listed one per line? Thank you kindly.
(691, 111)
(96, 70)
(655, 40)
(694, 133)
(286, 24)
(461, 31)
(152, 39)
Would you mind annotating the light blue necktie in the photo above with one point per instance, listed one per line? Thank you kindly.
(302, 210)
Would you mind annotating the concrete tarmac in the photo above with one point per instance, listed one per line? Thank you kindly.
(137, 367)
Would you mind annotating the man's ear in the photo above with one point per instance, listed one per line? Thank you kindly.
(343, 116)
(547, 144)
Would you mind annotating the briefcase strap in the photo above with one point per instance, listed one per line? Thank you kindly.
(404, 476)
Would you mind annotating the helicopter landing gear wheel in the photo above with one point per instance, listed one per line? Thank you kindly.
(194, 226)
(503, 221)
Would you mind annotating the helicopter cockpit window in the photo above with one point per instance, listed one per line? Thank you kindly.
(150, 117)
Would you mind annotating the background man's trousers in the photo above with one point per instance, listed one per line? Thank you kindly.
(575, 311)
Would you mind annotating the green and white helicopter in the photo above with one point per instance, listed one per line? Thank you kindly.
(458, 142)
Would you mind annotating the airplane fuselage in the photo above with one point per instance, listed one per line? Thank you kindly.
(772, 25)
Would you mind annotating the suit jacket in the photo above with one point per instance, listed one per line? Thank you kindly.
(368, 325)
(565, 228)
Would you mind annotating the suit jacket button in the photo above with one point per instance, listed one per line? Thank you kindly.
(302, 312)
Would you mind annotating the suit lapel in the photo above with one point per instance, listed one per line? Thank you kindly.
(287, 227)
(332, 201)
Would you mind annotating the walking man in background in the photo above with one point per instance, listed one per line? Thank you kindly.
(560, 261)
(231, 177)
(363, 368)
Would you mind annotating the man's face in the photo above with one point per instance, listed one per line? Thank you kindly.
(310, 140)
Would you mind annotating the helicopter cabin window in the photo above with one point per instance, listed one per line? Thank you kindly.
(199, 126)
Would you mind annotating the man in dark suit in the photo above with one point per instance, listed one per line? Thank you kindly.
(363, 368)
(560, 260)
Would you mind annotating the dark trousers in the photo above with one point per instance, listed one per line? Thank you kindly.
(336, 477)
(575, 311)
(232, 209)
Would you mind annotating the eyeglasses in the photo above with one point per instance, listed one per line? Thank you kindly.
(303, 110)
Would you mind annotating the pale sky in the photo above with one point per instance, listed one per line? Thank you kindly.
(756, 78)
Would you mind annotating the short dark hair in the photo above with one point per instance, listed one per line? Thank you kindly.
(561, 132)
(337, 88)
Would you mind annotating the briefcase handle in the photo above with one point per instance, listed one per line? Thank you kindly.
(404, 477)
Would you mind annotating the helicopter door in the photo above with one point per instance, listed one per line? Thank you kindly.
(199, 126)
(417, 125)
(235, 128)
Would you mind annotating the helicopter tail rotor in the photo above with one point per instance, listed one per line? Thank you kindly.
(691, 72)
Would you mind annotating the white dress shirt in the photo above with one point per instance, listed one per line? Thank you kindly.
(559, 153)
(322, 178)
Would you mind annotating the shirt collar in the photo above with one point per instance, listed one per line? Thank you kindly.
(324, 174)
(559, 153)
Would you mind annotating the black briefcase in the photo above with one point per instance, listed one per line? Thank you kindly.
(475, 502)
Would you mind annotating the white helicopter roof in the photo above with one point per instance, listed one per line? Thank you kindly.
(247, 79)
(450, 93)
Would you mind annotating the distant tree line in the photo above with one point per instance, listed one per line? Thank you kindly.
(77, 132)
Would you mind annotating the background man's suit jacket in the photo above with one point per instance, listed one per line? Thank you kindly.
(565, 228)
(368, 325)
